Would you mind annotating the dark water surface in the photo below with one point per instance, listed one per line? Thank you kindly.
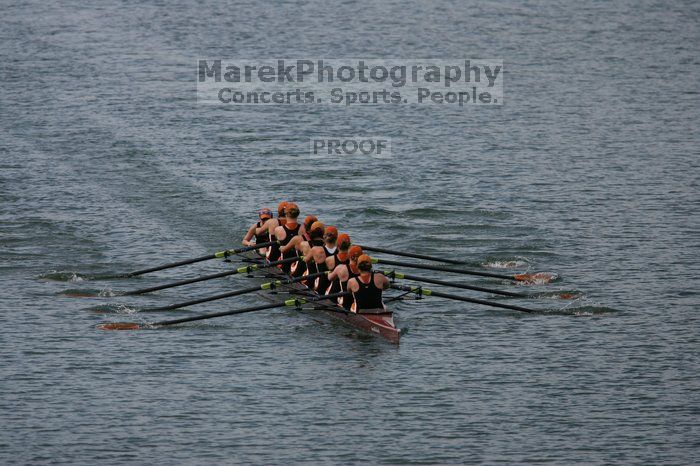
(590, 170)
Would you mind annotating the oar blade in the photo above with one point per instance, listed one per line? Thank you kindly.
(120, 326)
(538, 278)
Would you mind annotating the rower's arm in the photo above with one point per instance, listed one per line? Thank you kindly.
(340, 272)
(333, 275)
(384, 282)
(248, 236)
(303, 247)
(268, 226)
(292, 243)
(353, 286)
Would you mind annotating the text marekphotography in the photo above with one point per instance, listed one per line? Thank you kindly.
(350, 82)
(356, 147)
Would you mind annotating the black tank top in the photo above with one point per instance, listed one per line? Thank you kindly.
(348, 300)
(313, 267)
(290, 233)
(368, 296)
(338, 262)
(263, 238)
(321, 283)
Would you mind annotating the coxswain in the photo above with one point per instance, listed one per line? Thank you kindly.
(264, 237)
(343, 271)
(367, 287)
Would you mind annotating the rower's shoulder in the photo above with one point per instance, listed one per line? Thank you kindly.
(380, 279)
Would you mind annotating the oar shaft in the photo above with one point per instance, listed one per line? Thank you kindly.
(199, 259)
(413, 255)
(288, 302)
(171, 265)
(439, 294)
(217, 314)
(444, 269)
(399, 275)
(231, 294)
(210, 277)
(180, 283)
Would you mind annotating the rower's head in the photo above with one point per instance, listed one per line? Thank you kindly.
(355, 252)
(344, 242)
(265, 214)
(364, 263)
(291, 212)
(316, 230)
(282, 208)
(330, 235)
(308, 221)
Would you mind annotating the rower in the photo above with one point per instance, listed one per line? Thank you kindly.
(264, 215)
(367, 288)
(270, 226)
(315, 257)
(287, 231)
(343, 271)
(321, 246)
(330, 241)
(308, 221)
(341, 255)
(281, 212)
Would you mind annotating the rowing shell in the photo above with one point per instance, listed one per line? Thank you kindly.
(376, 322)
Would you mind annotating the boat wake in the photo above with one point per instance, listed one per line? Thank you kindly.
(560, 294)
(538, 278)
(113, 309)
(584, 311)
(506, 263)
(582, 307)
(89, 293)
(76, 277)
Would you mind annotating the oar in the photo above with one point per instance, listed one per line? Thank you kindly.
(296, 302)
(426, 292)
(230, 294)
(246, 269)
(413, 255)
(399, 275)
(525, 277)
(216, 255)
